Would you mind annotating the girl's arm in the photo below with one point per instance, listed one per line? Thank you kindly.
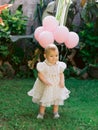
(61, 80)
(42, 78)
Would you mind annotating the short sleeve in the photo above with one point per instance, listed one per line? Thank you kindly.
(40, 67)
(63, 66)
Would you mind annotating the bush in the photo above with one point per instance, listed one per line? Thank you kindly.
(14, 24)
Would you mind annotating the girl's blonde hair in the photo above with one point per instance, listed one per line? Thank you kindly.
(50, 47)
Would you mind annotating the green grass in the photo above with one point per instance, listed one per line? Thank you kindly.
(17, 112)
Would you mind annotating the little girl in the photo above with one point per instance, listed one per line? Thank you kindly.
(49, 88)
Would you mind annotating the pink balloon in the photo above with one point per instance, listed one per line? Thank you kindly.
(61, 34)
(50, 23)
(72, 41)
(46, 38)
(37, 32)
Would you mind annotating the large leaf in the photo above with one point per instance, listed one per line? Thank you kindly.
(62, 11)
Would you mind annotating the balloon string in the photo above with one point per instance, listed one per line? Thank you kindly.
(66, 52)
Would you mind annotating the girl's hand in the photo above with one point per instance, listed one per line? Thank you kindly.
(61, 84)
(48, 83)
(43, 79)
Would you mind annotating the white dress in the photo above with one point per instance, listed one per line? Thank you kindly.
(49, 95)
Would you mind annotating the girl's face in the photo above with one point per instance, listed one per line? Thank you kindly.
(52, 56)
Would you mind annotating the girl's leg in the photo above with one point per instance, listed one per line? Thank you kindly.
(55, 108)
(41, 112)
(55, 111)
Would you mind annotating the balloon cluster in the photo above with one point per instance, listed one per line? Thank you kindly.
(51, 31)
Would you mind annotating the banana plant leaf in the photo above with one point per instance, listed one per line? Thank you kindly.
(62, 11)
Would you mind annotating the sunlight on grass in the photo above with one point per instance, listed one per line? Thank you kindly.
(17, 112)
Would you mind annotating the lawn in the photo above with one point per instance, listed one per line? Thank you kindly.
(80, 111)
